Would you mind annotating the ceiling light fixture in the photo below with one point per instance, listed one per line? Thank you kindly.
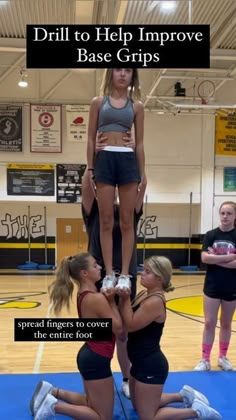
(23, 82)
(168, 5)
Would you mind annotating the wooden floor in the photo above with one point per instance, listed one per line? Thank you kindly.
(25, 296)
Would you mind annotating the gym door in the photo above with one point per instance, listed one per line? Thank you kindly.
(71, 237)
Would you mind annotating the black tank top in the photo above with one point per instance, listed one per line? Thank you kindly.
(146, 340)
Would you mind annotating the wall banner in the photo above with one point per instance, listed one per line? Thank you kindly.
(30, 180)
(225, 133)
(10, 128)
(69, 181)
(77, 122)
(45, 128)
(230, 179)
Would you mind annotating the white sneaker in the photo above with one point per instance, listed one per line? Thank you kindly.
(46, 409)
(43, 388)
(203, 365)
(189, 395)
(123, 282)
(109, 281)
(205, 412)
(125, 389)
(224, 363)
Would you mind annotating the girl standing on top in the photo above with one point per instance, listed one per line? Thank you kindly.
(114, 114)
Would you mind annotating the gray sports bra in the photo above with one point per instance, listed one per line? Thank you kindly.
(115, 119)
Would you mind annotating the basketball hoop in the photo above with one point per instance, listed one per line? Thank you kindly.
(206, 91)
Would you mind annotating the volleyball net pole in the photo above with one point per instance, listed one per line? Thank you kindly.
(190, 227)
(145, 221)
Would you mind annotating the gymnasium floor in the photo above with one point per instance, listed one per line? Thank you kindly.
(23, 364)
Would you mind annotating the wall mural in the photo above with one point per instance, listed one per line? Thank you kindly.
(17, 226)
(148, 227)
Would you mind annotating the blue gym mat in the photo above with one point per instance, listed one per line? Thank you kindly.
(16, 391)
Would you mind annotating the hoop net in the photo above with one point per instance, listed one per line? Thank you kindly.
(204, 101)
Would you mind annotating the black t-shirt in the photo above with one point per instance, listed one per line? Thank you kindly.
(220, 278)
(91, 222)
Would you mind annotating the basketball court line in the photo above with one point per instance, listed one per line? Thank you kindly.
(41, 346)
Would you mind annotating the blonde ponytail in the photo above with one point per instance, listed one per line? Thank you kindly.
(61, 290)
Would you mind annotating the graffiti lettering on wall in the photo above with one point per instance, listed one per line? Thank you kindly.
(148, 227)
(19, 226)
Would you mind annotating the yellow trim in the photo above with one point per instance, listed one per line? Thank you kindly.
(26, 246)
(26, 166)
(10, 245)
(169, 246)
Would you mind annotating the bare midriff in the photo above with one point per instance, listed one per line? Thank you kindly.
(114, 138)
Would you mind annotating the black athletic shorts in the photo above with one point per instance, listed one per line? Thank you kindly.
(93, 366)
(116, 168)
(152, 369)
(220, 294)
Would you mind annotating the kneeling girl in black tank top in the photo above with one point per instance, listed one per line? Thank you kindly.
(144, 319)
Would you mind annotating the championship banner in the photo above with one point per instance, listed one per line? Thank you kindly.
(225, 133)
(69, 182)
(45, 128)
(30, 179)
(77, 122)
(10, 128)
